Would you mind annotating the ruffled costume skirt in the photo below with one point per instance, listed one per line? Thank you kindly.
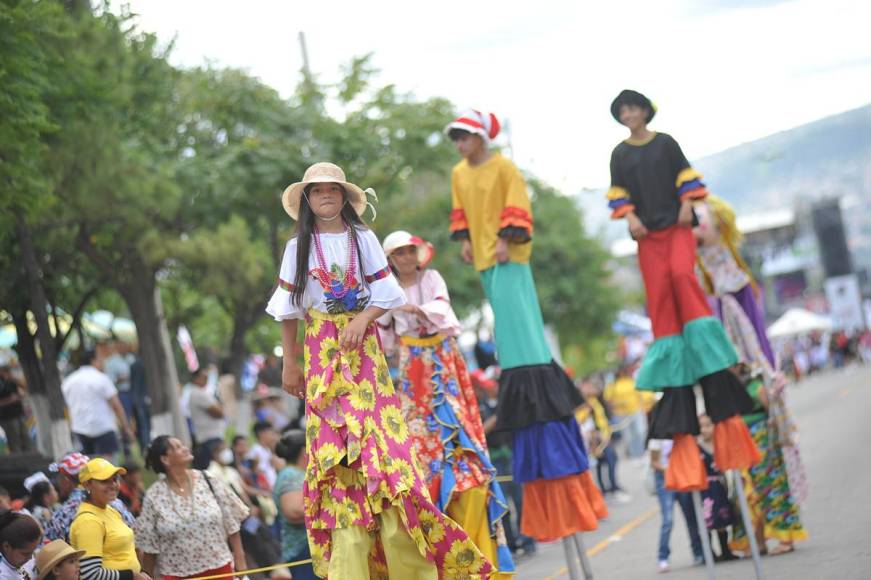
(690, 347)
(537, 401)
(441, 410)
(363, 484)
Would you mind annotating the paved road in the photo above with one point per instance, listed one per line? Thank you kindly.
(833, 411)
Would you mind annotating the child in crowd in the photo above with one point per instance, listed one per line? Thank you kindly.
(58, 560)
(660, 455)
(719, 515)
(593, 418)
(131, 490)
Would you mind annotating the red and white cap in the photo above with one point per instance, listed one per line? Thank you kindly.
(484, 124)
(400, 239)
(71, 464)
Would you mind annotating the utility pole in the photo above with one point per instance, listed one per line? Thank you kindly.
(509, 146)
(306, 71)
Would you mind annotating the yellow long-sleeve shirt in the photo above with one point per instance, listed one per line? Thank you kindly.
(623, 397)
(487, 198)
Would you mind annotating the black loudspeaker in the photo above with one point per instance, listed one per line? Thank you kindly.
(831, 238)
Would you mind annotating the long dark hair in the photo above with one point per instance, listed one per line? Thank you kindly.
(291, 444)
(305, 227)
(18, 530)
(37, 495)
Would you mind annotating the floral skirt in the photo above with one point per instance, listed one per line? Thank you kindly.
(360, 458)
(441, 410)
(768, 494)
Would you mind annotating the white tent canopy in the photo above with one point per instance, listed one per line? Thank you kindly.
(798, 321)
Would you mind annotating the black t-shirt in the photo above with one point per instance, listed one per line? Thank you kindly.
(10, 410)
(649, 173)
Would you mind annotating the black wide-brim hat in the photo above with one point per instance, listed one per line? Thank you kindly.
(630, 97)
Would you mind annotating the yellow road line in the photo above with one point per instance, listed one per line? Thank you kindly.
(616, 536)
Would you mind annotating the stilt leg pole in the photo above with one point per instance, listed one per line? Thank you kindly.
(703, 534)
(748, 523)
(582, 554)
(571, 558)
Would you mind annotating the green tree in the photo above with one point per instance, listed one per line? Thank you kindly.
(226, 264)
(570, 269)
(113, 164)
(28, 62)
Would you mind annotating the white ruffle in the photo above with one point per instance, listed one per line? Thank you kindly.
(384, 293)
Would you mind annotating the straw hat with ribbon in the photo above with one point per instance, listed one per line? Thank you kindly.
(324, 172)
(53, 554)
(400, 239)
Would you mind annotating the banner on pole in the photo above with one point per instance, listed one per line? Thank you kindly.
(187, 347)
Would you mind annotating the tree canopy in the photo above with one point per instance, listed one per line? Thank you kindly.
(133, 178)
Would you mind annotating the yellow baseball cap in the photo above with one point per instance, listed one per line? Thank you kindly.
(99, 469)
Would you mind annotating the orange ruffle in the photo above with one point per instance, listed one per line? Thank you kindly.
(686, 472)
(515, 217)
(733, 445)
(458, 220)
(557, 508)
(622, 211)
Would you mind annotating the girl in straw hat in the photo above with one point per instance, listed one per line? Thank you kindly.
(367, 508)
(438, 400)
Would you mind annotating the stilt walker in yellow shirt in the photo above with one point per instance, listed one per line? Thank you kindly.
(492, 218)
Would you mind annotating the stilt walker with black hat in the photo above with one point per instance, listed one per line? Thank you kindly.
(653, 187)
(492, 218)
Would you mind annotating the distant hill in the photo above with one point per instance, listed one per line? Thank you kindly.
(829, 157)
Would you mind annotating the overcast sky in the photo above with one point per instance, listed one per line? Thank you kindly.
(722, 72)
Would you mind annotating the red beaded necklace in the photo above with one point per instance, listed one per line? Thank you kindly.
(322, 272)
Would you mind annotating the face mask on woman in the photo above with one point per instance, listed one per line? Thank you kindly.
(226, 456)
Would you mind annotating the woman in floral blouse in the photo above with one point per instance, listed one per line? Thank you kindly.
(189, 525)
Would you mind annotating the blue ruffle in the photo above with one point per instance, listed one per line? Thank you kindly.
(689, 186)
(549, 450)
(616, 203)
(504, 558)
(454, 438)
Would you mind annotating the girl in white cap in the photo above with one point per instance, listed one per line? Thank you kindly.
(438, 400)
(366, 505)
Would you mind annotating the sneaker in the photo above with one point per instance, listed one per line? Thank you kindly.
(622, 497)
(663, 567)
(699, 561)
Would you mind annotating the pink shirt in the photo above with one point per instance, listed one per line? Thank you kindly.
(430, 294)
